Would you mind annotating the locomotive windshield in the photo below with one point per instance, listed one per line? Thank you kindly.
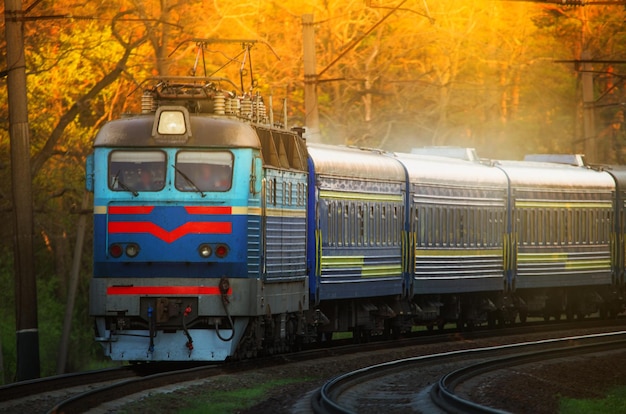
(137, 171)
(204, 170)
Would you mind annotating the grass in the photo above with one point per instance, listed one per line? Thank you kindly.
(208, 399)
(614, 402)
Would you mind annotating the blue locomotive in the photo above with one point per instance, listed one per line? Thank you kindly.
(218, 234)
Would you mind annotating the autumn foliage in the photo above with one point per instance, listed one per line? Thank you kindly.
(500, 76)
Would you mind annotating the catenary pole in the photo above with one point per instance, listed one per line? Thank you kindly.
(27, 332)
(310, 79)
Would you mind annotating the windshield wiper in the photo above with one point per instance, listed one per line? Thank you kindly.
(124, 186)
(189, 181)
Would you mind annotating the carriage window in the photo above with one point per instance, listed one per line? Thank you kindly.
(204, 171)
(136, 171)
(372, 226)
(383, 225)
(362, 240)
(330, 206)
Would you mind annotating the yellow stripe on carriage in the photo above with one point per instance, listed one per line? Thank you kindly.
(281, 212)
(568, 204)
(367, 271)
(565, 260)
(346, 195)
(542, 257)
(589, 264)
(342, 261)
(459, 252)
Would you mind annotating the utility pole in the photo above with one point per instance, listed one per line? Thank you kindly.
(589, 126)
(312, 120)
(312, 78)
(27, 331)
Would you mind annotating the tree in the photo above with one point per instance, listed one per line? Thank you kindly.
(481, 74)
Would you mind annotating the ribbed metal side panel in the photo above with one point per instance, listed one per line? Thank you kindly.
(458, 266)
(285, 248)
(548, 268)
(447, 271)
(254, 246)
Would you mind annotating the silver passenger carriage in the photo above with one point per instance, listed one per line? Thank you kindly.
(457, 219)
(358, 212)
(561, 217)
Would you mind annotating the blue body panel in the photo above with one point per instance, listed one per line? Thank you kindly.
(284, 226)
(170, 225)
(168, 235)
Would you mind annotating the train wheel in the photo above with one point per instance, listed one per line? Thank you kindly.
(460, 324)
(523, 316)
(360, 335)
(390, 331)
(324, 337)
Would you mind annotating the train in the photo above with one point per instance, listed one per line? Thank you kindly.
(221, 233)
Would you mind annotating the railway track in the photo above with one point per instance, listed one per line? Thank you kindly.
(88, 400)
(31, 396)
(406, 385)
(83, 391)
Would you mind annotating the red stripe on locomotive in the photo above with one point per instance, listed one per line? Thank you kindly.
(130, 209)
(208, 210)
(170, 236)
(165, 290)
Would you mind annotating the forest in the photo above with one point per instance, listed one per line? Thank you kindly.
(503, 77)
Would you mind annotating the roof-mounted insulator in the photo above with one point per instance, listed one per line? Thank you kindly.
(233, 105)
(148, 103)
(258, 107)
(219, 104)
(246, 108)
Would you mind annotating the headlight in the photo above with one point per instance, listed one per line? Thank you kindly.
(132, 250)
(205, 250)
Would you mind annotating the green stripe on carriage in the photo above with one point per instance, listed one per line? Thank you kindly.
(346, 195)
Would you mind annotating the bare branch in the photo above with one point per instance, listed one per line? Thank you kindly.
(48, 149)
